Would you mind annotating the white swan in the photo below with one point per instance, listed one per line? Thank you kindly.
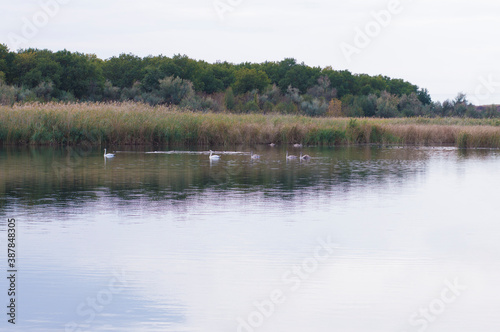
(290, 156)
(272, 144)
(108, 155)
(297, 145)
(213, 157)
(305, 157)
(254, 156)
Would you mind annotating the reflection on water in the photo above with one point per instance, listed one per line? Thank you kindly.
(170, 241)
(40, 174)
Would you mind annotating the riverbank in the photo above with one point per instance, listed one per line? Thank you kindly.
(133, 123)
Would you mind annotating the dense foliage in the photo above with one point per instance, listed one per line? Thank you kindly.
(284, 87)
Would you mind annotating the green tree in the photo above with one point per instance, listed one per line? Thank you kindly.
(343, 81)
(224, 72)
(272, 70)
(4, 65)
(424, 96)
(210, 81)
(184, 67)
(283, 67)
(152, 79)
(301, 77)
(81, 74)
(250, 79)
(24, 63)
(31, 67)
(460, 104)
(124, 70)
(400, 87)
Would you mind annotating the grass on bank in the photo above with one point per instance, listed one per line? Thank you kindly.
(133, 123)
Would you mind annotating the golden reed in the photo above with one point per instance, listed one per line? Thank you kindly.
(136, 123)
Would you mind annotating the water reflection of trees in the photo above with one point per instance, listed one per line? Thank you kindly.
(30, 176)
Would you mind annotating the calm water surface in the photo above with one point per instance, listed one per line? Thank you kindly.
(356, 239)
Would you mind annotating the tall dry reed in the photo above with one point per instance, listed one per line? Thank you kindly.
(135, 123)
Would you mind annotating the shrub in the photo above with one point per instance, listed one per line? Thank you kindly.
(368, 105)
(174, 89)
(67, 97)
(335, 108)
(133, 93)
(387, 105)
(110, 92)
(410, 105)
(323, 89)
(267, 107)
(26, 95)
(152, 98)
(287, 108)
(8, 94)
(314, 107)
(273, 94)
(197, 103)
(44, 90)
(229, 102)
(293, 94)
(251, 107)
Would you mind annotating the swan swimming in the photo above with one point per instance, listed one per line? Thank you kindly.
(305, 157)
(213, 157)
(254, 156)
(108, 155)
(290, 156)
(297, 145)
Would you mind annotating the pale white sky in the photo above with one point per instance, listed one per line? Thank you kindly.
(446, 46)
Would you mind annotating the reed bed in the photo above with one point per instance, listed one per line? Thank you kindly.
(134, 123)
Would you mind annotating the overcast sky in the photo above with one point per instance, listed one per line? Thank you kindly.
(446, 46)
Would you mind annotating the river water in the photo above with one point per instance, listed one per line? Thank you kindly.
(162, 239)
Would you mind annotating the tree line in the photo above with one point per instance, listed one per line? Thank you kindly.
(285, 86)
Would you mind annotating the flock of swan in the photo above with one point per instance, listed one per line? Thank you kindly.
(253, 156)
(256, 156)
(301, 157)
